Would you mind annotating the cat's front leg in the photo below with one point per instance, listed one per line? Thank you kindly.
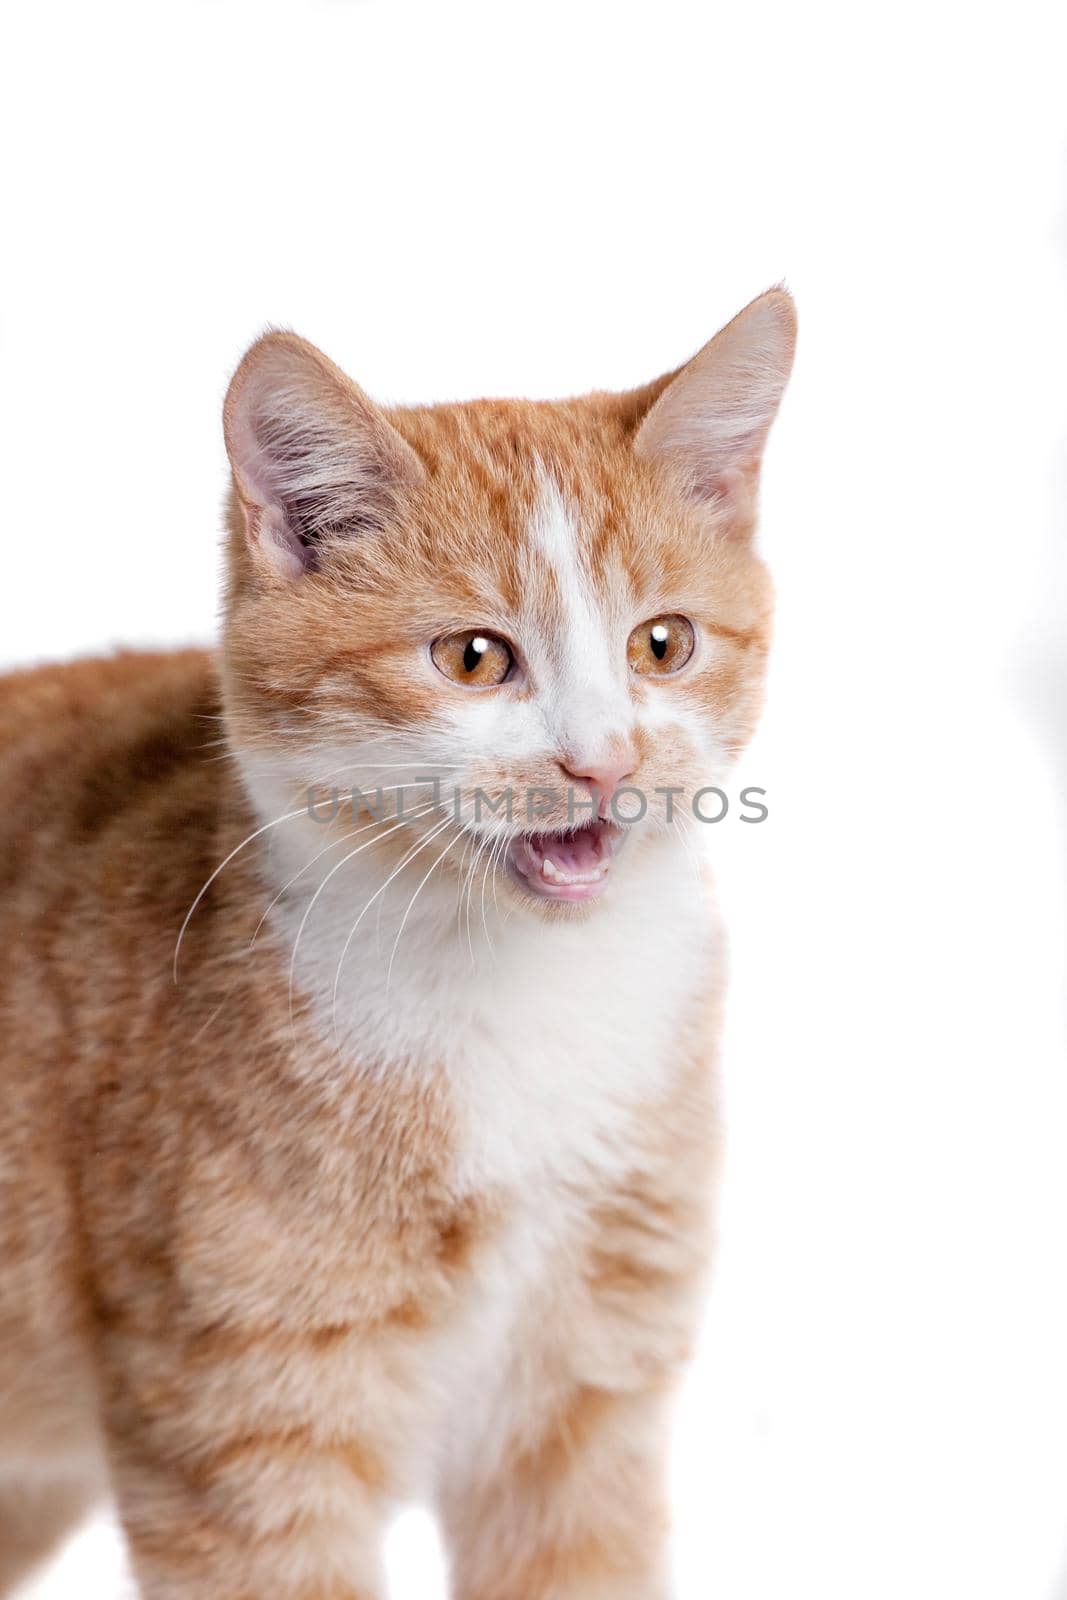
(231, 1486)
(577, 1513)
(262, 1517)
(561, 1490)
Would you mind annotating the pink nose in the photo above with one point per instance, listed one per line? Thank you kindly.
(605, 775)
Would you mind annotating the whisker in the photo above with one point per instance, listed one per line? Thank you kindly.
(403, 921)
(485, 874)
(287, 886)
(497, 861)
(352, 931)
(322, 885)
(220, 868)
(683, 836)
(465, 889)
(469, 848)
(483, 846)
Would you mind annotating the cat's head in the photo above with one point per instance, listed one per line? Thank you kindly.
(538, 603)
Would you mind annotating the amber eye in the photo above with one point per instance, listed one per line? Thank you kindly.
(480, 660)
(661, 646)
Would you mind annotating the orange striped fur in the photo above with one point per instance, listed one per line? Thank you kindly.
(395, 1184)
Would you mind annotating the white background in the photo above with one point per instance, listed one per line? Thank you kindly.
(455, 200)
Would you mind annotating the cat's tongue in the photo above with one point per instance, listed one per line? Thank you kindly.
(571, 865)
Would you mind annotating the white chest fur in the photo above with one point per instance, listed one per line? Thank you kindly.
(571, 1035)
(554, 1034)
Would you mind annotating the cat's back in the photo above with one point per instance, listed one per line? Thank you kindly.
(80, 726)
(87, 747)
(108, 799)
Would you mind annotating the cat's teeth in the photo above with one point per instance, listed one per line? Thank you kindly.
(555, 874)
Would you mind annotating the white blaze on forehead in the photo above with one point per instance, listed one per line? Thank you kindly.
(579, 661)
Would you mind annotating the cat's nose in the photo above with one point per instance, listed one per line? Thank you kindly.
(605, 773)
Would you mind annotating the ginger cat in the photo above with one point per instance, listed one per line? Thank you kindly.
(392, 1181)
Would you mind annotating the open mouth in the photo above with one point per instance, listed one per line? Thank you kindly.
(573, 864)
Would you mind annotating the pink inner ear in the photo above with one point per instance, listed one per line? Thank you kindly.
(733, 489)
(285, 552)
(260, 488)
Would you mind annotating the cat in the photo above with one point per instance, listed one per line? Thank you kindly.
(358, 1146)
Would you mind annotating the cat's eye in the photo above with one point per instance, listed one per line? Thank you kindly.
(661, 646)
(477, 659)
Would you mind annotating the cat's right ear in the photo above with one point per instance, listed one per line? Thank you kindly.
(314, 460)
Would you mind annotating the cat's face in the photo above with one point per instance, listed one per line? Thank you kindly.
(552, 609)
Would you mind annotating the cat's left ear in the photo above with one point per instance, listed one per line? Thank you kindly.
(709, 425)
